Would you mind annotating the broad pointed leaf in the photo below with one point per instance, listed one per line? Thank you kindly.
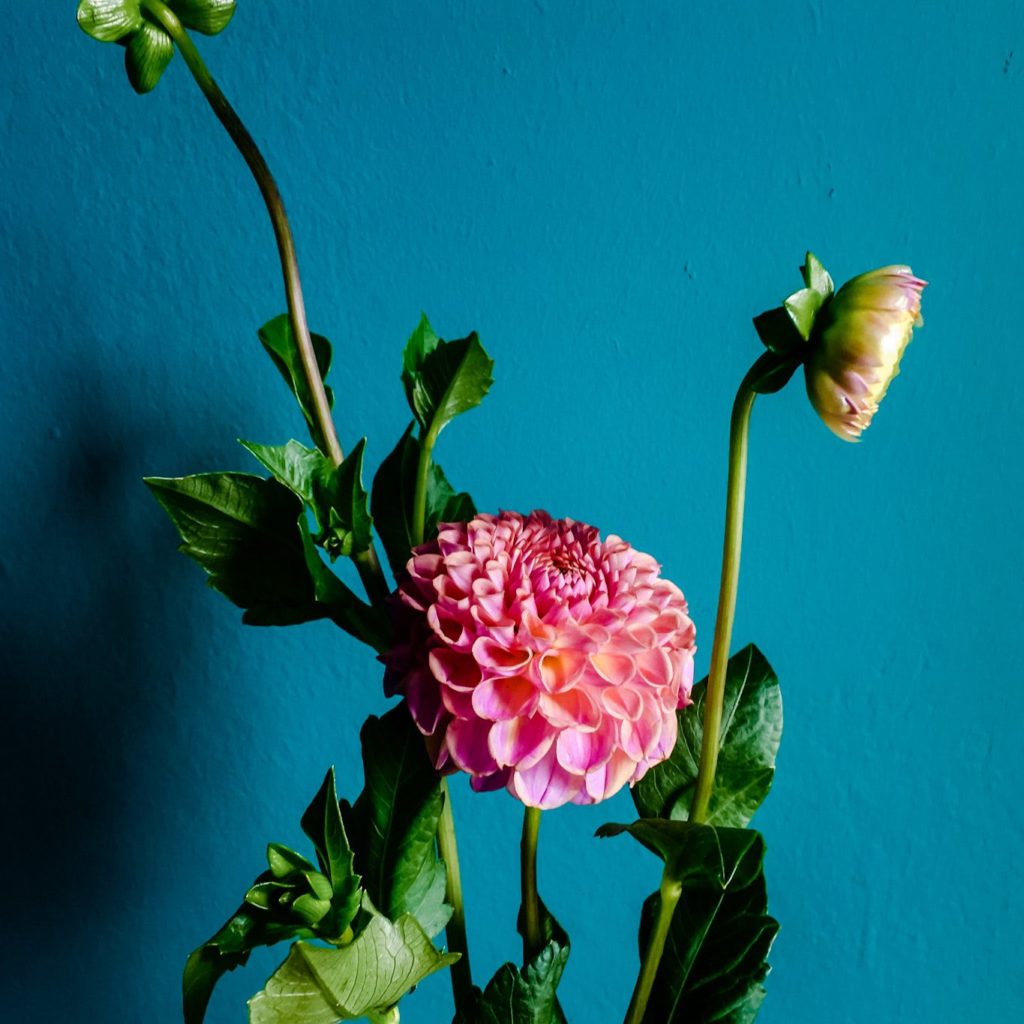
(297, 467)
(816, 276)
(277, 338)
(363, 979)
(802, 307)
(443, 378)
(393, 824)
(750, 736)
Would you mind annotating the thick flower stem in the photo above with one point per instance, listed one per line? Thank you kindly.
(671, 890)
(533, 938)
(462, 976)
(367, 563)
(738, 434)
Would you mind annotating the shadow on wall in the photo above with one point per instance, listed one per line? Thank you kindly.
(84, 698)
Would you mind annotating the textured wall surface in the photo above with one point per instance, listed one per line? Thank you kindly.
(607, 192)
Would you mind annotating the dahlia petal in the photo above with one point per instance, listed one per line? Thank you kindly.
(489, 783)
(454, 668)
(582, 752)
(560, 669)
(546, 784)
(616, 669)
(500, 698)
(520, 742)
(607, 780)
(571, 708)
(622, 702)
(655, 666)
(491, 655)
(457, 701)
(424, 701)
(467, 742)
(640, 738)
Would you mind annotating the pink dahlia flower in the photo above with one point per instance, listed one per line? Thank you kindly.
(539, 657)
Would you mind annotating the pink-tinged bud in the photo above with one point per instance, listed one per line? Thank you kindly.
(861, 335)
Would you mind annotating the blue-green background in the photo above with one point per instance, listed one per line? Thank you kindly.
(607, 192)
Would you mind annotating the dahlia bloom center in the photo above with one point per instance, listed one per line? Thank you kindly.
(537, 656)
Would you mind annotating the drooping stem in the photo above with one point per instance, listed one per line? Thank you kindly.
(736, 492)
(670, 893)
(275, 207)
(462, 979)
(533, 939)
(462, 975)
(367, 562)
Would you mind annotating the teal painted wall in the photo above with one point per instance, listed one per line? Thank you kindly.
(607, 192)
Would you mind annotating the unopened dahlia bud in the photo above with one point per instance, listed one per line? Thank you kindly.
(536, 655)
(860, 335)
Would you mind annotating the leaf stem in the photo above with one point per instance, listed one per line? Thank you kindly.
(736, 492)
(462, 975)
(671, 890)
(533, 939)
(275, 207)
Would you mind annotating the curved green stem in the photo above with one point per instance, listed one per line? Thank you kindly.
(419, 500)
(462, 976)
(368, 564)
(533, 938)
(275, 207)
(671, 890)
(738, 433)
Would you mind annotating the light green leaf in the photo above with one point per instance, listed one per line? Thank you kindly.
(292, 464)
(393, 825)
(109, 20)
(750, 736)
(277, 338)
(392, 500)
(284, 861)
(715, 959)
(363, 979)
(802, 307)
(816, 276)
(149, 52)
(206, 16)
(443, 378)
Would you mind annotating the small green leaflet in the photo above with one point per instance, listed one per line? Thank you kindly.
(206, 16)
(392, 501)
(335, 494)
(363, 979)
(750, 736)
(146, 57)
(109, 20)
(393, 823)
(277, 338)
(443, 378)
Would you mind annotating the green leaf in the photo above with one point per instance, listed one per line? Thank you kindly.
(228, 949)
(242, 530)
(802, 307)
(816, 276)
(443, 378)
(777, 331)
(392, 501)
(206, 16)
(715, 958)
(277, 338)
(750, 736)
(363, 979)
(523, 996)
(149, 52)
(109, 20)
(322, 823)
(335, 494)
(393, 824)
(284, 862)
